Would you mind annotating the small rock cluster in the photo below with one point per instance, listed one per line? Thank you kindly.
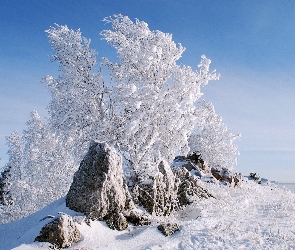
(225, 176)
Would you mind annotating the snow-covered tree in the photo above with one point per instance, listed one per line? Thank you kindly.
(212, 139)
(146, 111)
(153, 96)
(77, 107)
(15, 152)
(39, 170)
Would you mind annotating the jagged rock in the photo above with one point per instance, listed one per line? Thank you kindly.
(225, 176)
(196, 159)
(137, 217)
(188, 188)
(254, 176)
(129, 204)
(158, 194)
(180, 158)
(98, 189)
(61, 232)
(168, 228)
(185, 162)
(117, 221)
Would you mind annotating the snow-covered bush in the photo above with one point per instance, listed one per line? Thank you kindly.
(39, 170)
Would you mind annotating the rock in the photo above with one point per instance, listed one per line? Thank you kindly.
(196, 159)
(137, 217)
(222, 174)
(98, 190)
(184, 162)
(158, 194)
(255, 176)
(188, 188)
(180, 158)
(168, 228)
(61, 232)
(117, 221)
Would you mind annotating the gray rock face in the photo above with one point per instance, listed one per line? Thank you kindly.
(168, 228)
(188, 188)
(158, 194)
(61, 232)
(98, 189)
(137, 217)
(117, 221)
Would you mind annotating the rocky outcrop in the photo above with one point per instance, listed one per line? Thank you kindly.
(169, 189)
(158, 194)
(62, 232)
(98, 190)
(197, 160)
(188, 189)
(138, 217)
(117, 221)
(225, 176)
(185, 162)
(168, 228)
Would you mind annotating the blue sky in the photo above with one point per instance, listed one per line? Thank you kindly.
(250, 43)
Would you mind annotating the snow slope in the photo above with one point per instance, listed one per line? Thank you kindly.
(250, 217)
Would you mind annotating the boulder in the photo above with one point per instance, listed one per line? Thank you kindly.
(61, 232)
(137, 217)
(98, 189)
(254, 176)
(168, 228)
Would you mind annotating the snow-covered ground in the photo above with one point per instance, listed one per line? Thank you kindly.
(250, 217)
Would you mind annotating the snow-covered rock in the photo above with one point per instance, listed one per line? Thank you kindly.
(189, 188)
(184, 162)
(98, 188)
(117, 221)
(168, 228)
(62, 232)
(226, 176)
(158, 195)
(137, 217)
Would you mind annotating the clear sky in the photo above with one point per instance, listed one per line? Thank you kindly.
(250, 43)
